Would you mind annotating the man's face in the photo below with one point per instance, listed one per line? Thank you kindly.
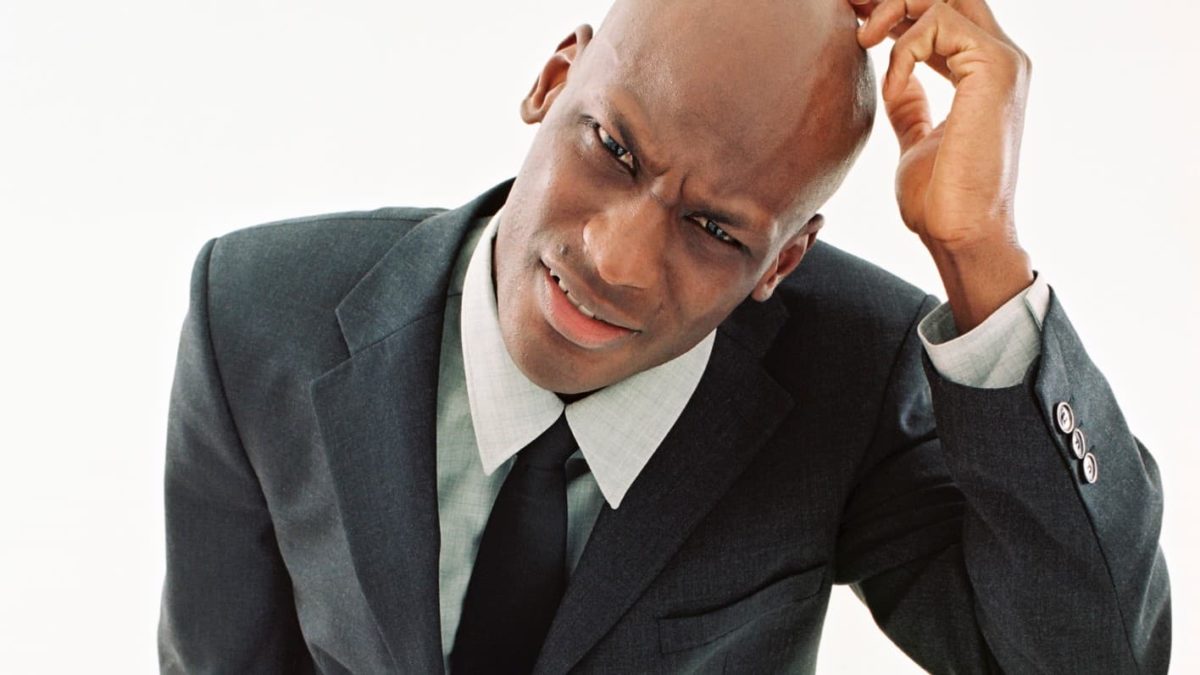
(671, 178)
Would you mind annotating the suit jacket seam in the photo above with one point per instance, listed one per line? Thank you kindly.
(1087, 514)
(297, 651)
(220, 377)
(909, 333)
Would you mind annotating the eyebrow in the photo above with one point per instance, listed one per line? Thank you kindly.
(629, 141)
(725, 218)
(625, 131)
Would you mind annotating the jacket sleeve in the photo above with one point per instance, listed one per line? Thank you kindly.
(975, 539)
(226, 600)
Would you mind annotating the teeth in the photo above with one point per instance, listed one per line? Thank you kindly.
(582, 308)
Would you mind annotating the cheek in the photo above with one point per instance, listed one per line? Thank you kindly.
(553, 190)
(704, 297)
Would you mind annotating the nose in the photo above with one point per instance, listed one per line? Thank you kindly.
(627, 243)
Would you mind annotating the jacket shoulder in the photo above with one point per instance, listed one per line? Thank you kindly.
(314, 258)
(272, 288)
(848, 310)
(830, 279)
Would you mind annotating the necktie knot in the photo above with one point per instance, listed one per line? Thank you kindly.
(551, 449)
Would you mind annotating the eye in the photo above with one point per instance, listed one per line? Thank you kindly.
(616, 149)
(713, 229)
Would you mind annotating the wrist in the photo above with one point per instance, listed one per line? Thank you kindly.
(981, 276)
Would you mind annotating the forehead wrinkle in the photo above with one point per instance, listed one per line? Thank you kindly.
(664, 82)
(684, 140)
(615, 74)
(713, 111)
(722, 167)
(734, 171)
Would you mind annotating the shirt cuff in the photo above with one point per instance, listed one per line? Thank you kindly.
(995, 353)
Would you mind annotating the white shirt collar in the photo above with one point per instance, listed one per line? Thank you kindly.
(617, 428)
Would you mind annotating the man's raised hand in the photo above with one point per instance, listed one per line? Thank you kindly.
(955, 183)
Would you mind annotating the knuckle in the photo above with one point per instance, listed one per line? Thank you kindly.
(1019, 61)
(1026, 62)
(903, 42)
(1014, 65)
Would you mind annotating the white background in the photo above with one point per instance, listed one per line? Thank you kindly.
(131, 132)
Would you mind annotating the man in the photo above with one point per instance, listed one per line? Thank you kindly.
(362, 400)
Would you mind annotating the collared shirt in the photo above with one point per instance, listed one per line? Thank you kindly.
(488, 410)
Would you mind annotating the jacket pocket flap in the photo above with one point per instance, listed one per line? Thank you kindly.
(683, 632)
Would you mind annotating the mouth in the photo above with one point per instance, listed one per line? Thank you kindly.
(574, 320)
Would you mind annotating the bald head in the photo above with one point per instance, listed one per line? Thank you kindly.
(780, 85)
(682, 154)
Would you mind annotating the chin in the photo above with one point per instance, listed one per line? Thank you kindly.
(548, 360)
(568, 387)
(560, 374)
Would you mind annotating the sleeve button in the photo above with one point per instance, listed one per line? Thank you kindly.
(1065, 417)
(1091, 472)
(1079, 444)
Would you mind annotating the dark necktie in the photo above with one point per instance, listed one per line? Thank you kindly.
(520, 570)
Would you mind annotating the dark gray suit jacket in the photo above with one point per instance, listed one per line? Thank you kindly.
(820, 447)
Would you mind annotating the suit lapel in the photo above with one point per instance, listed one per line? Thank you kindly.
(734, 410)
(376, 413)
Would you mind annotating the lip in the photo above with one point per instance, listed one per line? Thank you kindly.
(574, 325)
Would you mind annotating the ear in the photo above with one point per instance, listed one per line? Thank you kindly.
(789, 258)
(553, 77)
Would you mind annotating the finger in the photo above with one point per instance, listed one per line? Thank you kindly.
(943, 32)
(937, 61)
(864, 8)
(909, 114)
(888, 13)
(900, 28)
(883, 18)
(864, 11)
(979, 14)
